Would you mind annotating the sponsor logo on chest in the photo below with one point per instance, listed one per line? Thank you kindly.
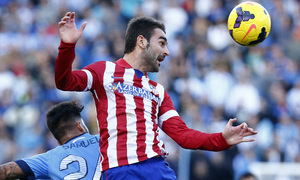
(135, 91)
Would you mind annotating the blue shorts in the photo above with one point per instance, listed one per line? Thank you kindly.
(150, 169)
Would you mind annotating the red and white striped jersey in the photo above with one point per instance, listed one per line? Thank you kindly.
(130, 109)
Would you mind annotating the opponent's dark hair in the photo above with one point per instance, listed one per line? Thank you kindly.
(140, 26)
(63, 117)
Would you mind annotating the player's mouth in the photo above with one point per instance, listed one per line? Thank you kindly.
(160, 58)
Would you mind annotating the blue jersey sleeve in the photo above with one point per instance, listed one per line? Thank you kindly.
(26, 169)
(38, 165)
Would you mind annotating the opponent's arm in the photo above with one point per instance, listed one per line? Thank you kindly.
(11, 170)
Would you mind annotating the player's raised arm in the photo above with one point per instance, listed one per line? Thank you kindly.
(11, 170)
(65, 78)
(67, 28)
(236, 134)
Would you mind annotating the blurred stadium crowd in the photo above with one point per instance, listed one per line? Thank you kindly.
(209, 77)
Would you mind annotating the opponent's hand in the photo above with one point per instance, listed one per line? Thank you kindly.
(235, 135)
(67, 28)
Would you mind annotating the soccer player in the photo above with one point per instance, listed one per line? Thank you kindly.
(77, 157)
(131, 108)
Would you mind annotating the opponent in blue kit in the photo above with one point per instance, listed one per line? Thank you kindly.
(77, 157)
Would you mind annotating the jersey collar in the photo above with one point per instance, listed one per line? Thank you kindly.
(74, 137)
(123, 63)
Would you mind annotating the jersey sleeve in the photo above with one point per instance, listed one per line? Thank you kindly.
(26, 170)
(76, 80)
(35, 165)
(172, 124)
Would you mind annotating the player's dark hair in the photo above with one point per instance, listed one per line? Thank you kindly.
(140, 26)
(247, 175)
(63, 117)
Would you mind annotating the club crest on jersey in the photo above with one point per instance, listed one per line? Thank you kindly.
(153, 90)
(133, 90)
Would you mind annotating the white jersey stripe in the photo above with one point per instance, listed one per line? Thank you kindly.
(111, 119)
(95, 93)
(89, 79)
(161, 91)
(166, 116)
(148, 123)
(131, 119)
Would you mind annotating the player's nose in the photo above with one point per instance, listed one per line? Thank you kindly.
(167, 52)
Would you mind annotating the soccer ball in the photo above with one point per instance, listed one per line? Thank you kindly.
(249, 24)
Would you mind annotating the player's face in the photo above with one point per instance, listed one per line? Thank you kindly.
(156, 51)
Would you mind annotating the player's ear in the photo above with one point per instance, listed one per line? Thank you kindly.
(141, 41)
(79, 127)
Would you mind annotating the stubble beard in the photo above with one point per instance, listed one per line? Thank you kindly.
(150, 59)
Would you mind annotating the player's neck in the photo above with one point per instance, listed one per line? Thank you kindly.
(133, 59)
(69, 136)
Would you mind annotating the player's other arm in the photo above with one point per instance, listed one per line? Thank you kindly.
(188, 138)
(192, 139)
(172, 124)
(11, 170)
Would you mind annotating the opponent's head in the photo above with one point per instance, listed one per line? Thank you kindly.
(247, 176)
(64, 119)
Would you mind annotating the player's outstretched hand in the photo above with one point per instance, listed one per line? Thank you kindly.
(67, 28)
(235, 135)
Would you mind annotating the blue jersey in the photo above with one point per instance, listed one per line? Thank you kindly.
(76, 159)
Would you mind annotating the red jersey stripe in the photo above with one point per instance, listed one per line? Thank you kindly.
(121, 119)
